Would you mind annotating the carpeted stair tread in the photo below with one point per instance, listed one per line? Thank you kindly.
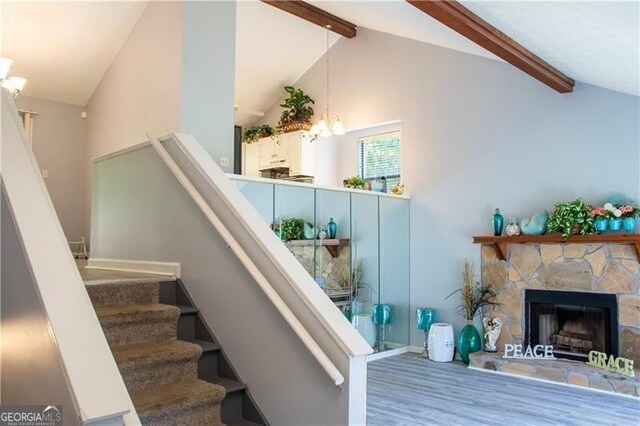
(119, 293)
(161, 401)
(135, 312)
(145, 354)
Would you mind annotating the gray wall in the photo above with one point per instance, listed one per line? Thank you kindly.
(208, 76)
(59, 144)
(32, 371)
(476, 134)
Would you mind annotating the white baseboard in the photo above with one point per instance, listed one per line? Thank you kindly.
(170, 269)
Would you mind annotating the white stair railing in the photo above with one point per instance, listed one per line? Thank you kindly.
(251, 267)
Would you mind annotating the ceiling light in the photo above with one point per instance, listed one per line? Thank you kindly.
(327, 124)
(13, 84)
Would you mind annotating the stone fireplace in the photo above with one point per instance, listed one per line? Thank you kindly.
(577, 297)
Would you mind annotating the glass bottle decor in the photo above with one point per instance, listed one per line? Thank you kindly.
(468, 341)
(498, 223)
(332, 229)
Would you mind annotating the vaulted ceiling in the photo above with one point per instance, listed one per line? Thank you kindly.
(64, 48)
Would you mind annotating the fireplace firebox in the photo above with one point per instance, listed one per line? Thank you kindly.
(575, 323)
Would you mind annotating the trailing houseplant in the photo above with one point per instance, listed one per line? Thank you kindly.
(297, 110)
(252, 134)
(572, 218)
(474, 297)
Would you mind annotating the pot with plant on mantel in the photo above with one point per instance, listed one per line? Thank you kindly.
(572, 218)
(473, 298)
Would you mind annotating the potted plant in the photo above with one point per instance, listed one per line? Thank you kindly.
(298, 111)
(355, 182)
(572, 218)
(601, 218)
(628, 216)
(291, 229)
(474, 297)
(254, 133)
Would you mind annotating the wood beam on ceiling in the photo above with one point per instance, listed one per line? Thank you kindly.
(315, 15)
(462, 20)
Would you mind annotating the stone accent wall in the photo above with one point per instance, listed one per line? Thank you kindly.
(597, 268)
(335, 270)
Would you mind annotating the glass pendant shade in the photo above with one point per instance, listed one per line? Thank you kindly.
(17, 83)
(5, 66)
(337, 128)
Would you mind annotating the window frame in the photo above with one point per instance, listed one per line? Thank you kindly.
(361, 141)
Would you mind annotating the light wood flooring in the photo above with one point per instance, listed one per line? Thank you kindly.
(407, 390)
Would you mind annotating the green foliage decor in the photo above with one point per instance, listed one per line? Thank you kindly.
(252, 134)
(571, 218)
(291, 229)
(355, 182)
(297, 107)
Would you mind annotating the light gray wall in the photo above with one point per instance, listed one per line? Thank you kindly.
(162, 223)
(208, 76)
(476, 134)
(32, 371)
(59, 144)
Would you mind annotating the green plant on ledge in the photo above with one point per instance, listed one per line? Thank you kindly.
(252, 134)
(355, 182)
(572, 218)
(297, 107)
(291, 229)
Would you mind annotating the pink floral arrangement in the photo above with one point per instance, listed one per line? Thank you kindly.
(614, 211)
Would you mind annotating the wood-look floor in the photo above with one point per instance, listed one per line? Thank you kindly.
(407, 390)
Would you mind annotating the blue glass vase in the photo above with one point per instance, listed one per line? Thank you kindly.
(498, 223)
(332, 229)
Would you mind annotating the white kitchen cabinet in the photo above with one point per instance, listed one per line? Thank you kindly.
(251, 159)
(273, 153)
(302, 150)
(295, 151)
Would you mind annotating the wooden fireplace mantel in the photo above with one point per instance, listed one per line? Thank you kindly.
(500, 243)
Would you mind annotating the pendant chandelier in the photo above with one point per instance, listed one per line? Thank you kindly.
(13, 84)
(327, 125)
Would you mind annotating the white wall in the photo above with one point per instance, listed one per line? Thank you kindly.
(476, 134)
(59, 144)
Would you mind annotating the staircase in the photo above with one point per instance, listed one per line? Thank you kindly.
(174, 370)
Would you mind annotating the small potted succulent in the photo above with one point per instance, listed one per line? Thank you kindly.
(252, 134)
(297, 111)
(572, 218)
(355, 182)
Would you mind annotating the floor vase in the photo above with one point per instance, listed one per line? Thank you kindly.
(468, 342)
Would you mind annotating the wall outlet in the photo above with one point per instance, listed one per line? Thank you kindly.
(45, 173)
(224, 161)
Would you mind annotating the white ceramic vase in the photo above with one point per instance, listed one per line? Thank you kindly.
(366, 328)
(440, 342)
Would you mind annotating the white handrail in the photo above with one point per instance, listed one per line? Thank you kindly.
(262, 281)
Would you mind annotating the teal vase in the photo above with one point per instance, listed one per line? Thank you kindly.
(468, 342)
(332, 228)
(498, 223)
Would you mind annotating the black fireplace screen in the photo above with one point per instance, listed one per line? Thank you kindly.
(575, 323)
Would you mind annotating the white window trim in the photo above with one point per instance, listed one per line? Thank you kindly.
(368, 138)
(27, 122)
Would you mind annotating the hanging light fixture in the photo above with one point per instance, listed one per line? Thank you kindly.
(327, 124)
(13, 84)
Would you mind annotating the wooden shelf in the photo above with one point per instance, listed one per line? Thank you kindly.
(500, 243)
(332, 245)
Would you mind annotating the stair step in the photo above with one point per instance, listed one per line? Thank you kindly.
(138, 323)
(190, 402)
(208, 346)
(229, 385)
(186, 310)
(147, 365)
(124, 293)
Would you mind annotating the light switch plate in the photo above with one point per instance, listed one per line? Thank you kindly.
(224, 161)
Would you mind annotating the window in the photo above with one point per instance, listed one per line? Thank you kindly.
(379, 156)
